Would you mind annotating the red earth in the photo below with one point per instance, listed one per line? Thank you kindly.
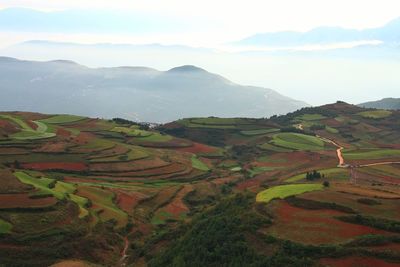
(127, 200)
(177, 205)
(315, 226)
(11, 201)
(138, 165)
(62, 132)
(198, 148)
(66, 166)
(31, 124)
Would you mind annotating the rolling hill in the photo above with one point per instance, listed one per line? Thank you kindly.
(137, 93)
(316, 187)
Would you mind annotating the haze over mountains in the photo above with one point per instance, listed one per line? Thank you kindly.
(306, 66)
(136, 93)
(389, 33)
(386, 103)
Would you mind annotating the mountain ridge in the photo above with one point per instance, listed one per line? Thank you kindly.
(137, 93)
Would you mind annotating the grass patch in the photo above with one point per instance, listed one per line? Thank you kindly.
(311, 117)
(216, 121)
(375, 114)
(271, 159)
(297, 141)
(258, 132)
(283, 191)
(156, 137)
(331, 130)
(198, 164)
(132, 131)
(60, 119)
(267, 146)
(371, 154)
(5, 227)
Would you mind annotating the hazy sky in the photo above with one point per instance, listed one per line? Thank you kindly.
(219, 21)
(213, 24)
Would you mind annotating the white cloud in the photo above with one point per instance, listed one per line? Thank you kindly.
(232, 20)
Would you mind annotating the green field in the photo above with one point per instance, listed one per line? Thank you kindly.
(132, 131)
(156, 137)
(258, 132)
(311, 117)
(371, 154)
(198, 164)
(5, 227)
(283, 191)
(27, 133)
(59, 190)
(61, 119)
(216, 121)
(375, 114)
(104, 206)
(331, 130)
(297, 141)
(269, 147)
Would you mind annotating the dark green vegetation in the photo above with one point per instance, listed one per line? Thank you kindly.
(201, 191)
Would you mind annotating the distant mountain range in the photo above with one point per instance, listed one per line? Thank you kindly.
(389, 33)
(386, 103)
(138, 93)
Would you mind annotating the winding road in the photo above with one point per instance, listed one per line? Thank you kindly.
(124, 254)
(342, 163)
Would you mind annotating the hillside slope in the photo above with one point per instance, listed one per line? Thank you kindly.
(316, 187)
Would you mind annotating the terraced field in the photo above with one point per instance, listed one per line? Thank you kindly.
(120, 193)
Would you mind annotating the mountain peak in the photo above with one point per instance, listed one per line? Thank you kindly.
(187, 68)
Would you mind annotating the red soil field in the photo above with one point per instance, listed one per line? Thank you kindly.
(84, 138)
(250, 184)
(127, 200)
(66, 166)
(10, 201)
(176, 207)
(364, 191)
(7, 127)
(137, 165)
(225, 180)
(388, 208)
(114, 151)
(197, 148)
(52, 147)
(13, 151)
(314, 226)
(31, 124)
(391, 247)
(332, 122)
(10, 184)
(62, 132)
(357, 262)
(169, 169)
(30, 115)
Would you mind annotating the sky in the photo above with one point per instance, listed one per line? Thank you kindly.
(213, 22)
